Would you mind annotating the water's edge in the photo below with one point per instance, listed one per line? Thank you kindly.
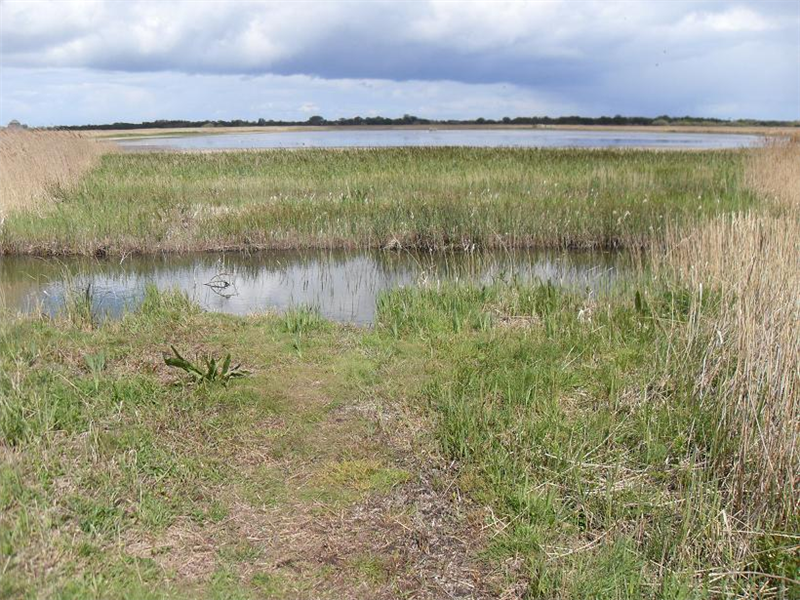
(342, 285)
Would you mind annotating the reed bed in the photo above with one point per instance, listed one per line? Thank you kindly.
(750, 340)
(750, 347)
(774, 172)
(39, 165)
(740, 350)
(421, 198)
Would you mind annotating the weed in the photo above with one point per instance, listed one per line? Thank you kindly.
(212, 372)
(96, 363)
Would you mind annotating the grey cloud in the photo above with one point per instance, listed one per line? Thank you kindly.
(366, 40)
(75, 96)
(626, 57)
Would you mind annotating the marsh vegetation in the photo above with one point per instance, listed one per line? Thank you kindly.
(414, 198)
(37, 165)
(499, 438)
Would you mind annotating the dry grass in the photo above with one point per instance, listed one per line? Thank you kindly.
(750, 343)
(34, 163)
(775, 172)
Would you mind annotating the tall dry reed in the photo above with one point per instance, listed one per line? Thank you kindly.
(34, 162)
(750, 340)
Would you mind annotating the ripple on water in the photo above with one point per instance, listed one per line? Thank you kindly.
(342, 285)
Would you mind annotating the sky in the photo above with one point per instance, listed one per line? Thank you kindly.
(76, 62)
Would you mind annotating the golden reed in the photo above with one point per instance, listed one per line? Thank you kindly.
(33, 163)
(751, 344)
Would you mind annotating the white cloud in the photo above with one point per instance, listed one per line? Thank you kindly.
(308, 108)
(476, 26)
(734, 20)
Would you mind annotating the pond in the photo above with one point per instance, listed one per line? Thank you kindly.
(342, 285)
(360, 138)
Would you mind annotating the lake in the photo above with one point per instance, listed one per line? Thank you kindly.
(523, 138)
(342, 285)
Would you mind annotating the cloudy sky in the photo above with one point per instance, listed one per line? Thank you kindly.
(65, 62)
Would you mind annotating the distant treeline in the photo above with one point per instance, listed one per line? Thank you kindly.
(412, 120)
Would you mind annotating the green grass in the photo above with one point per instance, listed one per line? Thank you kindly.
(561, 432)
(564, 413)
(548, 422)
(127, 454)
(575, 420)
(406, 197)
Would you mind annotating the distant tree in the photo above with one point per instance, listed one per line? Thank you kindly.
(413, 120)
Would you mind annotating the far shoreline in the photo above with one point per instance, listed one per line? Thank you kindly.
(155, 133)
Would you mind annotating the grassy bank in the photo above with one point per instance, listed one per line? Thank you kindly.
(419, 198)
(609, 475)
(513, 439)
(297, 481)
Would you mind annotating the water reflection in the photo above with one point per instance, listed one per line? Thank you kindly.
(342, 285)
(359, 138)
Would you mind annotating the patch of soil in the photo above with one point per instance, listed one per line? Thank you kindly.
(185, 548)
(426, 546)
(421, 539)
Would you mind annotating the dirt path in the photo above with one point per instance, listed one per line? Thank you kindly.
(340, 495)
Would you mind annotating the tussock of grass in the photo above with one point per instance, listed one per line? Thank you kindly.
(431, 198)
